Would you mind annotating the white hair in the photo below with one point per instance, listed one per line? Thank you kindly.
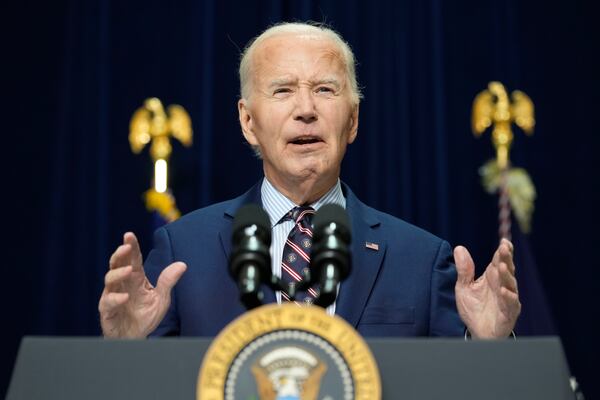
(299, 28)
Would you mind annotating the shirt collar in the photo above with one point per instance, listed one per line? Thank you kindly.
(277, 205)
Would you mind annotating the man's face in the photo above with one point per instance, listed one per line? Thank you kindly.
(299, 111)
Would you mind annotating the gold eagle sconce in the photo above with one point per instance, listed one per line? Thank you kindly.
(494, 107)
(151, 124)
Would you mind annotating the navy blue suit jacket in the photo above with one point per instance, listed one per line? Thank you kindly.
(405, 288)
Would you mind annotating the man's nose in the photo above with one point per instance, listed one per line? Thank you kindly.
(305, 106)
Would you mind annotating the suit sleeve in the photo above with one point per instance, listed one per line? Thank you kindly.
(160, 257)
(444, 319)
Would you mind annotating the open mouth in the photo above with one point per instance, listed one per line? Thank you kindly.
(305, 140)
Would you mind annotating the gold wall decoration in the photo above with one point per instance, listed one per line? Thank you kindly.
(152, 125)
(494, 107)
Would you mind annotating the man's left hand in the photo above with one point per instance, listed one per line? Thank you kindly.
(488, 306)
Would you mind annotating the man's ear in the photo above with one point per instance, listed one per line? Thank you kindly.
(246, 122)
(353, 125)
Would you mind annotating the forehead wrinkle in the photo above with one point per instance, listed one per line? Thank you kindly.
(337, 76)
(266, 61)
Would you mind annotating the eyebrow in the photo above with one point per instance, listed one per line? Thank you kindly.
(282, 82)
(290, 81)
(327, 81)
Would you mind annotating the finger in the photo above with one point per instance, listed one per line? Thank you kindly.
(510, 304)
(508, 243)
(496, 258)
(465, 267)
(110, 302)
(510, 298)
(169, 277)
(120, 257)
(136, 253)
(507, 279)
(115, 277)
(506, 256)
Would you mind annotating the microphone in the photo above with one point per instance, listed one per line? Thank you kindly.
(330, 257)
(250, 260)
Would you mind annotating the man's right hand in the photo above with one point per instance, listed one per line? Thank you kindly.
(130, 307)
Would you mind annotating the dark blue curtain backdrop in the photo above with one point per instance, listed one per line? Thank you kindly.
(74, 72)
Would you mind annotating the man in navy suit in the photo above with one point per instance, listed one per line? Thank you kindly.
(299, 110)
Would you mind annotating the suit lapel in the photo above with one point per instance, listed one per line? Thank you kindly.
(251, 196)
(366, 262)
(368, 249)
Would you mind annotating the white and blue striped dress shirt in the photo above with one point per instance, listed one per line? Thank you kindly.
(277, 205)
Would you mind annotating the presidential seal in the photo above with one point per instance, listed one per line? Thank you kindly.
(288, 352)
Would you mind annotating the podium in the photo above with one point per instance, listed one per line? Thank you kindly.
(167, 368)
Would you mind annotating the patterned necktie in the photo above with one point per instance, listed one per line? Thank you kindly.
(296, 252)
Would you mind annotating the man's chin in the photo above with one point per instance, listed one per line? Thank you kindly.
(305, 173)
(303, 168)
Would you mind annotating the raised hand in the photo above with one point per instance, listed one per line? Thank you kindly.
(489, 306)
(130, 307)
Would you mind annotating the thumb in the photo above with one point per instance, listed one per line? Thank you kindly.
(465, 267)
(169, 277)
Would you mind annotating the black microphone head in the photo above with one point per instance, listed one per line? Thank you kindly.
(250, 260)
(329, 218)
(330, 259)
(251, 215)
(251, 239)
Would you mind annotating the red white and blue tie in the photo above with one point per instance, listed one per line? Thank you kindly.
(296, 252)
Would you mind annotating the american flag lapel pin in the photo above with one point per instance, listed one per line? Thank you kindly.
(372, 246)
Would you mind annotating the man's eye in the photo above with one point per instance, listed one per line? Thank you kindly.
(324, 89)
(282, 90)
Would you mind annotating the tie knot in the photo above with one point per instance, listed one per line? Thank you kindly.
(302, 213)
